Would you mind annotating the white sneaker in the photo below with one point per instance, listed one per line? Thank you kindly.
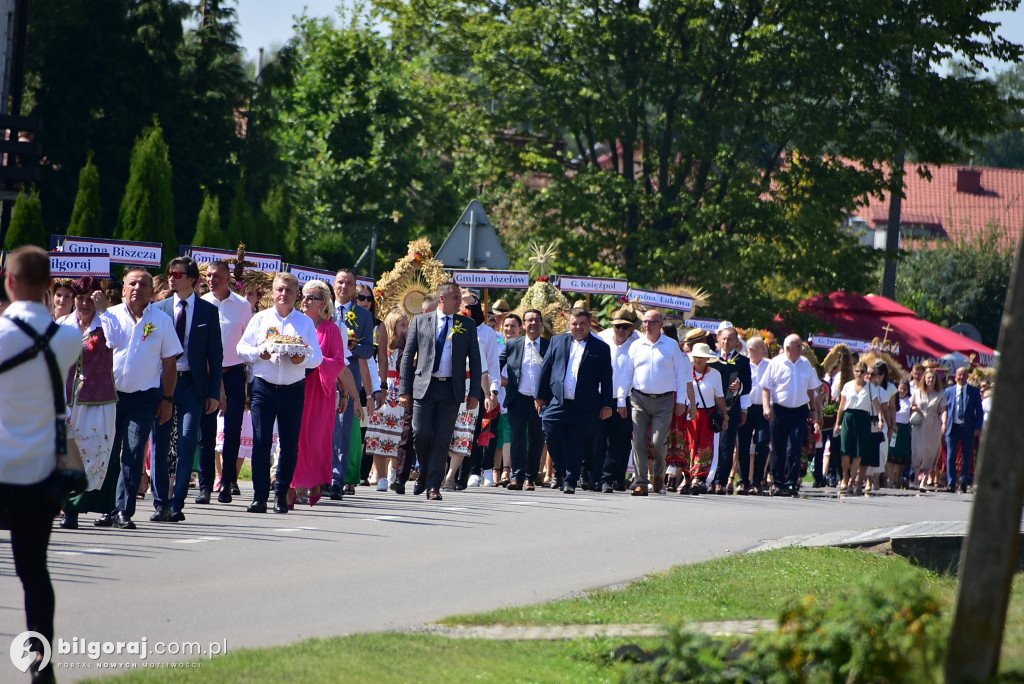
(474, 481)
(382, 484)
(488, 480)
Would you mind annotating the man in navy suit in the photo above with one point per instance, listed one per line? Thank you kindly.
(961, 423)
(576, 387)
(522, 357)
(199, 368)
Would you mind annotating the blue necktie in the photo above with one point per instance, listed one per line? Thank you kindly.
(960, 406)
(439, 345)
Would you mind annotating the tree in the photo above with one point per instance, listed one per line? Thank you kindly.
(147, 209)
(1005, 149)
(26, 223)
(719, 144)
(961, 281)
(208, 232)
(241, 226)
(275, 220)
(87, 216)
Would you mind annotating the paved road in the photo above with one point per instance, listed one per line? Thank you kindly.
(380, 561)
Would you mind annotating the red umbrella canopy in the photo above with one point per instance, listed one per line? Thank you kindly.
(872, 316)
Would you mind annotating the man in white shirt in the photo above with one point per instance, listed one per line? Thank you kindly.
(234, 312)
(756, 428)
(145, 363)
(659, 375)
(28, 432)
(615, 434)
(278, 390)
(522, 358)
(789, 384)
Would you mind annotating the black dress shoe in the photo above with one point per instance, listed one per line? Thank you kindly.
(257, 507)
(160, 515)
(123, 522)
(434, 495)
(514, 486)
(204, 497)
(224, 496)
(69, 521)
(557, 483)
(397, 487)
(418, 488)
(607, 488)
(281, 504)
(176, 516)
(568, 489)
(235, 490)
(336, 493)
(105, 520)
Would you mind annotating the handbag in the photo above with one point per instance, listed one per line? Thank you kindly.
(717, 422)
(916, 418)
(69, 474)
(876, 432)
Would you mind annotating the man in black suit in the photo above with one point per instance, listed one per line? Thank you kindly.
(439, 349)
(522, 357)
(736, 380)
(575, 386)
(199, 369)
(961, 425)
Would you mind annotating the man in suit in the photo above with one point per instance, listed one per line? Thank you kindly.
(199, 370)
(348, 316)
(522, 358)
(439, 349)
(734, 368)
(961, 424)
(575, 386)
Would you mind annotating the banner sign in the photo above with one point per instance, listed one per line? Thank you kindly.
(79, 265)
(589, 285)
(661, 300)
(305, 274)
(268, 263)
(507, 280)
(361, 280)
(825, 342)
(145, 254)
(706, 324)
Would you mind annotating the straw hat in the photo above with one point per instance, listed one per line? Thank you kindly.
(695, 335)
(624, 316)
(703, 351)
(500, 307)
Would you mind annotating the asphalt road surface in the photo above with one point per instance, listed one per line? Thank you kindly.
(380, 561)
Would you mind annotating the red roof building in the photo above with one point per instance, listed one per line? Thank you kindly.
(957, 202)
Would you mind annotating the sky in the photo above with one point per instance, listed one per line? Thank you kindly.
(264, 23)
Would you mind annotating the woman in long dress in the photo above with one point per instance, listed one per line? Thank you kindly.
(929, 400)
(92, 401)
(385, 429)
(708, 395)
(313, 467)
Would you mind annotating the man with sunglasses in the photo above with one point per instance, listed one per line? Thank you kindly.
(197, 392)
(615, 434)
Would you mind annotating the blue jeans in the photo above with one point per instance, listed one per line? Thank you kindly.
(190, 411)
(789, 427)
(234, 393)
(284, 404)
(958, 435)
(136, 412)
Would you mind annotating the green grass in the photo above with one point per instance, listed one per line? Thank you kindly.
(736, 587)
(245, 473)
(731, 588)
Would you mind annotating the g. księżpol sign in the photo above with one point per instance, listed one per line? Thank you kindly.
(268, 263)
(591, 285)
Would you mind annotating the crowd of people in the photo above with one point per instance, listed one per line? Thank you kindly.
(167, 375)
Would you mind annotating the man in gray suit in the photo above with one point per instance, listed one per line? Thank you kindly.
(439, 349)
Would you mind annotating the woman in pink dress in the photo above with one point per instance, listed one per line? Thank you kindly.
(314, 463)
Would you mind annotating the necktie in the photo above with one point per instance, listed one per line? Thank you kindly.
(439, 345)
(960, 406)
(179, 325)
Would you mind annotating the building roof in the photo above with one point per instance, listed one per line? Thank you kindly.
(957, 202)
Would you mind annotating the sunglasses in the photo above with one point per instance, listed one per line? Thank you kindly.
(365, 298)
(175, 275)
(311, 297)
(623, 326)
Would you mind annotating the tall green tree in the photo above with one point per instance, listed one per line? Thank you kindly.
(27, 223)
(242, 226)
(274, 222)
(208, 232)
(711, 143)
(147, 209)
(87, 216)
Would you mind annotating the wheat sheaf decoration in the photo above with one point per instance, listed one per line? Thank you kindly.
(413, 277)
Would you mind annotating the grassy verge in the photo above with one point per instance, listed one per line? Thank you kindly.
(737, 587)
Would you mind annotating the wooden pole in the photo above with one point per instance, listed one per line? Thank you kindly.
(487, 302)
(989, 556)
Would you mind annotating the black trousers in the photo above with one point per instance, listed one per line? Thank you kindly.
(406, 451)
(526, 437)
(433, 422)
(30, 517)
(616, 441)
(758, 430)
(727, 445)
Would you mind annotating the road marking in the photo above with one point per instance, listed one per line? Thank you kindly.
(294, 529)
(454, 508)
(79, 553)
(382, 518)
(196, 541)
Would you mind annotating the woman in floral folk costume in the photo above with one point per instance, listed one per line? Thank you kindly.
(385, 429)
(92, 401)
